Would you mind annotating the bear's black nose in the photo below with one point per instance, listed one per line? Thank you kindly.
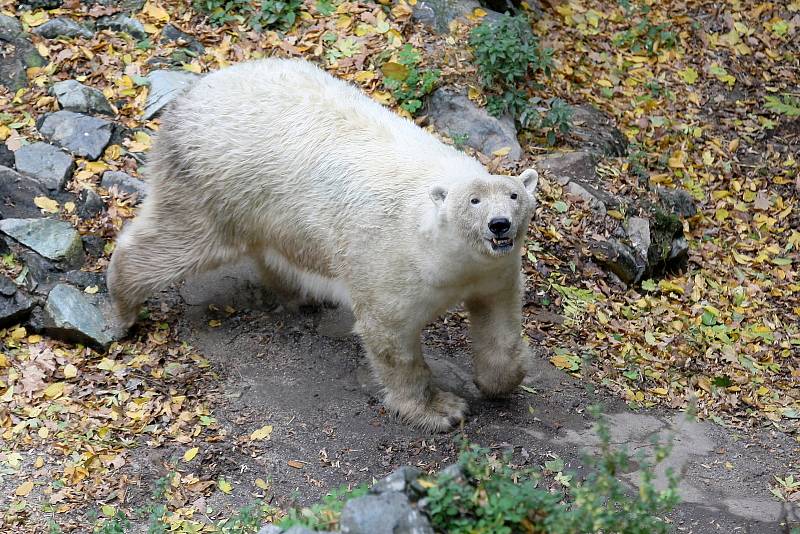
(499, 225)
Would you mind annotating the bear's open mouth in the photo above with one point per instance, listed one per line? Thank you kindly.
(501, 243)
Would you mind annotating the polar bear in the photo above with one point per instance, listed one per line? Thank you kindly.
(342, 200)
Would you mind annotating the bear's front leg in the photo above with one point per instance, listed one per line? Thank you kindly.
(393, 348)
(498, 348)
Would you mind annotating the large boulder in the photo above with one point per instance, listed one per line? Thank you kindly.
(72, 95)
(47, 164)
(82, 135)
(165, 85)
(453, 114)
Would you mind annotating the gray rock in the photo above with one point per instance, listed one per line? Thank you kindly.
(47, 164)
(70, 315)
(90, 204)
(619, 259)
(452, 472)
(387, 513)
(297, 529)
(454, 114)
(94, 245)
(397, 480)
(6, 156)
(592, 130)
(171, 33)
(677, 201)
(129, 6)
(72, 95)
(125, 183)
(270, 529)
(638, 231)
(10, 28)
(439, 13)
(16, 56)
(123, 23)
(569, 166)
(594, 202)
(63, 27)
(80, 134)
(17, 193)
(51, 239)
(678, 251)
(164, 86)
(14, 303)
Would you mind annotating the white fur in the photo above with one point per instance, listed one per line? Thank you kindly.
(339, 199)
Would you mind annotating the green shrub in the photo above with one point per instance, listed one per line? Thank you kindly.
(509, 58)
(266, 14)
(324, 515)
(407, 83)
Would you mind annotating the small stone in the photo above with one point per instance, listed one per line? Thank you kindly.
(94, 245)
(82, 135)
(14, 303)
(16, 56)
(125, 183)
(397, 480)
(619, 259)
(677, 201)
(454, 114)
(164, 86)
(74, 96)
(47, 164)
(638, 232)
(63, 27)
(577, 190)
(51, 239)
(592, 130)
(10, 28)
(6, 156)
(387, 513)
(90, 204)
(569, 166)
(129, 6)
(70, 315)
(123, 23)
(174, 34)
(17, 192)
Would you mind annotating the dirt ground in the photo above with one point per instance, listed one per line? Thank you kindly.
(303, 373)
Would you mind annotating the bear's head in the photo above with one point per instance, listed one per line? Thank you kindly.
(491, 213)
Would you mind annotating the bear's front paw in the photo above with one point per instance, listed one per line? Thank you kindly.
(499, 381)
(441, 411)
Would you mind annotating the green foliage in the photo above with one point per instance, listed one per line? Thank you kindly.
(459, 140)
(509, 58)
(789, 105)
(324, 515)
(644, 36)
(325, 7)
(407, 83)
(266, 14)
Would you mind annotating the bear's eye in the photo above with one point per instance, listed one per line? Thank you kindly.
(475, 201)
(513, 196)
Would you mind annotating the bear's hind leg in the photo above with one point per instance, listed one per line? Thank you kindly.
(497, 344)
(151, 254)
(396, 359)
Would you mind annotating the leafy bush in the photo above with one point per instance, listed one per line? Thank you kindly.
(267, 14)
(324, 515)
(407, 83)
(509, 57)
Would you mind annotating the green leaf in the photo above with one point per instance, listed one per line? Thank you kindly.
(560, 206)
(689, 75)
(395, 71)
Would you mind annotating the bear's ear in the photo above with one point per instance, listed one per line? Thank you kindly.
(530, 179)
(438, 194)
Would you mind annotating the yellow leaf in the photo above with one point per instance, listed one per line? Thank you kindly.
(38, 463)
(5, 131)
(214, 323)
(479, 13)
(261, 484)
(395, 71)
(70, 371)
(382, 97)
(427, 484)
(604, 83)
(54, 390)
(47, 205)
(34, 19)
(615, 214)
(473, 93)
(189, 455)
(660, 391)
(670, 287)
(69, 207)
(24, 489)
(18, 333)
(34, 338)
(91, 290)
(364, 76)
(43, 432)
(344, 21)
(262, 433)
(224, 486)
(502, 151)
(108, 510)
(193, 67)
(155, 12)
